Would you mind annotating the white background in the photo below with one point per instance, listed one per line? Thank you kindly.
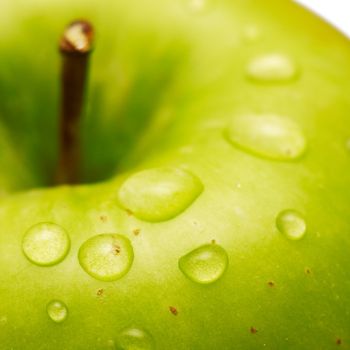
(336, 12)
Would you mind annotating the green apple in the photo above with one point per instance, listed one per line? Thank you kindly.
(214, 204)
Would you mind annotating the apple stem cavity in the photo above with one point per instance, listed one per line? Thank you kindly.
(75, 47)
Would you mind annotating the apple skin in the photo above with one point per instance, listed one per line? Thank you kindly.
(165, 82)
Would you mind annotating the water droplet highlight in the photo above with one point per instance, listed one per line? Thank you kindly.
(273, 67)
(106, 257)
(135, 339)
(159, 194)
(46, 244)
(57, 311)
(205, 264)
(267, 135)
(291, 223)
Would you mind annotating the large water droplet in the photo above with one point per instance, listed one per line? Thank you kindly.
(46, 244)
(266, 135)
(57, 311)
(106, 257)
(205, 264)
(291, 223)
(159, 194)
(135, 339)
(273, 67)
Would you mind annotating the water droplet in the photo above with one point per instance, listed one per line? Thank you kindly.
(291, 223)
(57, 311)
(205, 264)
(273, 67)
(267, 135)
(106, 257)
(159, 194)
(135, 339)
(46, 244)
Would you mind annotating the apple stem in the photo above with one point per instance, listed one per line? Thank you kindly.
(75, 47)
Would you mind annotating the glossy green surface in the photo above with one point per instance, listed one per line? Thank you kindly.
(167, 78)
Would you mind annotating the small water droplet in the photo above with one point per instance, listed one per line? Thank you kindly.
(57, 311)
(106, 257)
(267, 135)
(135, 339)
(46, 244)
(291, 223)
(159, 194)
(205, 264)
(273, 67)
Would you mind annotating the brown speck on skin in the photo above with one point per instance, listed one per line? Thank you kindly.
(307, 271)
(253, 330)
(100, 292)
(213, 241)
(116, 249)
(103, 218)
(136, 232)
(129, 212)
(173, 310)
(271, 284)
(338, 342)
